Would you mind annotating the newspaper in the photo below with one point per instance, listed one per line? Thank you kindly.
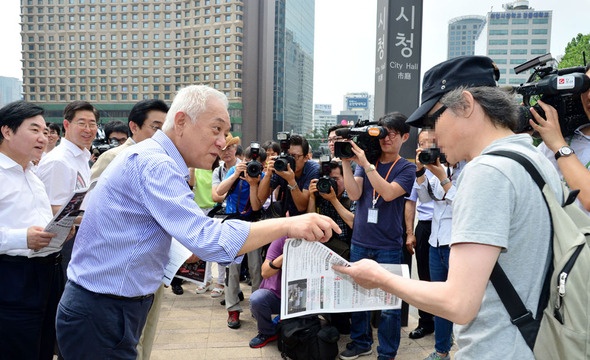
(310, 286)
(177, 267)
(63, 220)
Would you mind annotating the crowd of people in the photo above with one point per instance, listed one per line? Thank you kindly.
(177, 172)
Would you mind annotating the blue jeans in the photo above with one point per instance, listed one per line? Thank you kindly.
(263, 304)
(439, 268)
(97, 326)
(390, 321)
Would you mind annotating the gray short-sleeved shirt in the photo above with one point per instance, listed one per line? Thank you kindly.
(497, 203)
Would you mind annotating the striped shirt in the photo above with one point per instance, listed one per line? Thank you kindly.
(141, 201)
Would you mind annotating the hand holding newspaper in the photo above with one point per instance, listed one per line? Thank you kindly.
(309, 285)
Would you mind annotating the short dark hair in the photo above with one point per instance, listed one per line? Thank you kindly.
(55, 127)
(261, 154)
(140, 111)
(79, 105)
(396, 121)
(336, 165)
(336, 127)
(301, 141)
(13, 115)
(239, 150)
(269, 144)
(115, 126)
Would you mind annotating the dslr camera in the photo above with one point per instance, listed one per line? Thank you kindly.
(101, 145)
(325, 182)
(284, 159)
(254, 168)
(366, 135)
(560, 88)
(429, 156)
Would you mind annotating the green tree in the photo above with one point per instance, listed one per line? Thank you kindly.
(573, 52)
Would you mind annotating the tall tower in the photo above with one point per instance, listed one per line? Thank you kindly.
(515, 35)
(463, 32)
(293, 77)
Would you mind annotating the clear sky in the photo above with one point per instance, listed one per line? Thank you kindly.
(344, 58)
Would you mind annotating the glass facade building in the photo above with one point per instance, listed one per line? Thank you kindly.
(293, 66)
(463, 32)
(516, 35)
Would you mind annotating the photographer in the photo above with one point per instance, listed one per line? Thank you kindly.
(242, 199)
(294, 183)
(115, 132)
(380, 189)
(570, 156)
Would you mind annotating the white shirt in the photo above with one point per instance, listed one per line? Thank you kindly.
(64, 170)
(442, 216)
(23, 203)
(581, 145)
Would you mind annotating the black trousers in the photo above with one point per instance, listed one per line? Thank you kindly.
(31, 289)
(422, 250)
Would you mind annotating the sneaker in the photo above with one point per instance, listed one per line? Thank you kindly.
(233, 320)
(203, 289)
(177, 289)
(261, 340)
(355, 352)
(435, 356)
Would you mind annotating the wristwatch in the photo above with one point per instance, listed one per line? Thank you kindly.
(291, 187)
(371, 168)
(445, 181)
(564, 151)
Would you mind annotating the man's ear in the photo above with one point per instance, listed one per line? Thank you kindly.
(133, 127)
(405, 137)
(180, 122)
(6, 131)
(469, 104)
(66, 125)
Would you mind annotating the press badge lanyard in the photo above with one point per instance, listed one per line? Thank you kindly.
(374, 212)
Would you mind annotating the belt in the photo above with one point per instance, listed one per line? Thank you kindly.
(54, 259)
(111, 296)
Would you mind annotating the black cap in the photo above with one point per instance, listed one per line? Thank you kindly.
(449, 75)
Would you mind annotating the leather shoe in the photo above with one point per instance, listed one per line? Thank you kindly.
(177, 289)
(420, 332)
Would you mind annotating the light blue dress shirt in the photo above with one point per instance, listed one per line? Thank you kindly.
(141, 201)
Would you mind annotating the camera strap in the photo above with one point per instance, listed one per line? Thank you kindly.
(431, 192)
(375, 198)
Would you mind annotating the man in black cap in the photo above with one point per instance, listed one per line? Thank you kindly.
(499, 213)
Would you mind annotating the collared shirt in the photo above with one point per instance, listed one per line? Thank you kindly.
(580, 142)
(105, 159)
(64, 170)
(442, 216)
(141, 201)
(424, 209)
(23, 203)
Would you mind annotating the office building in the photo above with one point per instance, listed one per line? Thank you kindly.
(359, 103)
(10, 90)
(293, 77)
(463, 32)
(515, 35)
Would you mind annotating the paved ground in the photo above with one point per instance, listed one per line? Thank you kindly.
(194, 326)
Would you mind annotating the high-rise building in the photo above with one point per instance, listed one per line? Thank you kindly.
(10, 90)
(359, 103)
(322, 116)
(515, 35)
(463, 32)
(293, 78)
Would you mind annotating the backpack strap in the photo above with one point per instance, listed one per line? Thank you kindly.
(519, 314)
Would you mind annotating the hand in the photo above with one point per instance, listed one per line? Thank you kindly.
(37, 238)
(367, 273)
(410, 243)
(72, 233)
(312, 227)
(192, 259)
(548, 128)
(435, 168)
(331, 196)
(269, 165)
(240, 168)
(360, 157)
(288, 174)
(313, 187)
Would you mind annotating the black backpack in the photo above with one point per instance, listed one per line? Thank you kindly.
(305, 339)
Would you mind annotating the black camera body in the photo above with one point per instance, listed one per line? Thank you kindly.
(560, 88)
(325, 182)
(254, 168)
(101, 145)
(366, 135)
(429, 156)
(284, 159)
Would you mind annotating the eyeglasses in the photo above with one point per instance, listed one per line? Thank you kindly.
(155, 127)
(432, 118)
(391, 134)
(296, 156)
(85, 125)
(334, 139)
(118, 140)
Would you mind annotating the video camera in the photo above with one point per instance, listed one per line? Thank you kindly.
(101, 145)
(429, 156)
(254, 168)
(284, 159)
(325, 182)
(367, 136)
(560, 88)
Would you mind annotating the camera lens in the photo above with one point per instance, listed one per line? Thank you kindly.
(281, 164)
(254, 168)
(343, 149)
(323, 185)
